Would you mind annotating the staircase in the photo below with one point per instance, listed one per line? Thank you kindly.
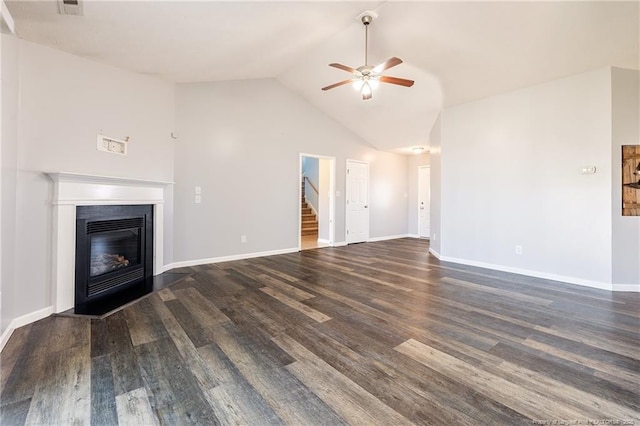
(309, 220)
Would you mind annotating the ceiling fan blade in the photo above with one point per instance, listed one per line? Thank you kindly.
(391, 62)
(342, 83)
(396, 80)
(343, 67)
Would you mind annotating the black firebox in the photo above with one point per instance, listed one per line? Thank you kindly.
(114, 256)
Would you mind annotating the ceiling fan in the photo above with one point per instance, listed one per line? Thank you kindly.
(366, 77)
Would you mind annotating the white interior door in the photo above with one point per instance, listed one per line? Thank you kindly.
(424, 197)
(357, 201)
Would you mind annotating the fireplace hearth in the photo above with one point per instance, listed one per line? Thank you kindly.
(114, 256)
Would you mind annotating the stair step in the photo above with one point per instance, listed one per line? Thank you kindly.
(309, 221)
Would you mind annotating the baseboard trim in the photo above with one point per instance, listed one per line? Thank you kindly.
(186, 263)
(340, 244)
(414, 236)
(22, 321)
(323, 241)
(530, 273)
(388, 237)
(435, 253)
(634, 288)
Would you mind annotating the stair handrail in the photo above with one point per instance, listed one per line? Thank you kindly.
(311, 184)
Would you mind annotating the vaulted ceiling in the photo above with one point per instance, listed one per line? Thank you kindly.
(455, 51)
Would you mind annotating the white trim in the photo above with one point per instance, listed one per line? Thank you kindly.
(158, 238)
(530, 273)
(78, 177)
(186, 263)
(22, 321)
(6, 17)
(323, 241)
(435, 253)
(340, 244)
(415, 236)
(635, 288)
(388, 237)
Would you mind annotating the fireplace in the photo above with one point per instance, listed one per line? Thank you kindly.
(72, 190)
(114, 256)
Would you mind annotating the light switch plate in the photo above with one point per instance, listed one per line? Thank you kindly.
(587, 170)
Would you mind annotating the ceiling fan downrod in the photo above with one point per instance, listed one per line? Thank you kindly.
(366, 20)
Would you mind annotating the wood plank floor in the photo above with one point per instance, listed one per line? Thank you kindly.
(377, 333)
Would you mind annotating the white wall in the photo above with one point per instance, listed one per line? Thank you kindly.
(510, 177)
(625, 86)
(64, 102)
(9, 157)
(237, 134)
(415, 161)
(388, 196)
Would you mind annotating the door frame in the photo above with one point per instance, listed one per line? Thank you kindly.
(346, 196)
(418, 207)
(332, 196)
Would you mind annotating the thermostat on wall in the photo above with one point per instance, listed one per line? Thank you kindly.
(111, 145)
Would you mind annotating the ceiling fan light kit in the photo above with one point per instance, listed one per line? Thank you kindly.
(366, 77)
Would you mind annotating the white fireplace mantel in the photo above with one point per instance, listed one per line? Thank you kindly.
(72, 190)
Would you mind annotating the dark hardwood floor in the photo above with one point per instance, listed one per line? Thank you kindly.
(377, 333)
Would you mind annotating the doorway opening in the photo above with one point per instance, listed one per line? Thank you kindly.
(316, 228)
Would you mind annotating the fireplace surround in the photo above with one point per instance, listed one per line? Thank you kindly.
(71, 190)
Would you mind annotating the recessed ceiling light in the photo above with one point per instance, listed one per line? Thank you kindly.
(417, 149)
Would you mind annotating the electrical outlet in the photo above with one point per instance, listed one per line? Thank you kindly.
(198, 199)
(518, 249)
(434, 237)
(243, 239)
(198, 190)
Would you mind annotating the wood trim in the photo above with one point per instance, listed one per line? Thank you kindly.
(306, 178)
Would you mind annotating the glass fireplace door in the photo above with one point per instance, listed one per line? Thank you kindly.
(114, 250)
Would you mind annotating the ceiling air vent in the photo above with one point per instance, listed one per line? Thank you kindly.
(70, 7)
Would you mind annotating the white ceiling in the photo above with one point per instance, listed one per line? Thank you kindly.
(455, 51)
